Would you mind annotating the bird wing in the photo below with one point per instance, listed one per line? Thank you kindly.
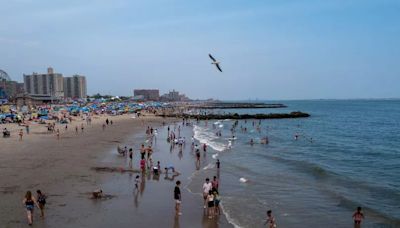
(219, 68)
(212, 57)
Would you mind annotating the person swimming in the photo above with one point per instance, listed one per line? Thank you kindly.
(174, 172)
(97, 194)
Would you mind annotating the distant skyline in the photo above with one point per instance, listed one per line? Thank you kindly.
(273, 50)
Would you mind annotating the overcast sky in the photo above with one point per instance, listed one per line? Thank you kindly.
(269, 49)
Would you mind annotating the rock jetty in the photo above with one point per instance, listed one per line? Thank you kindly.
(236, 116)
(234, 105)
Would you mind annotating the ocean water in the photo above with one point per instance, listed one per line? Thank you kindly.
(347, 155)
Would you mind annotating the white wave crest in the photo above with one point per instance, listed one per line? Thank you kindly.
(203, 135)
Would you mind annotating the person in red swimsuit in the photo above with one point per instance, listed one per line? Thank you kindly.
(358, 216)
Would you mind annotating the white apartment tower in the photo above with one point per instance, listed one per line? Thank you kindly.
(75, 87)
(50, 84)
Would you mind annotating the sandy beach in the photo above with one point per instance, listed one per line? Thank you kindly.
(62, 169)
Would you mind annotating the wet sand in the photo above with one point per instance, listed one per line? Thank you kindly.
(61, 168)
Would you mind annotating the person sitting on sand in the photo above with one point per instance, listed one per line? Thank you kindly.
(6, 133)
(97, 194)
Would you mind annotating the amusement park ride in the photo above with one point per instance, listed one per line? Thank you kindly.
(4, 78)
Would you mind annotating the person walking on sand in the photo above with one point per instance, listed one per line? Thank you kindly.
(58, 134)
(41, 199)
(142, 151)
(21, 133)
(149, 152)
(210, 204)
(27, 129)
(137, 181)
(270, 222)
(358, 216)
(215, 184)
(29, 201)
(130, 157)
(207, 186)
(177, 198)
(217, 200)
(82, 128)
(76, 129)
(143, 165)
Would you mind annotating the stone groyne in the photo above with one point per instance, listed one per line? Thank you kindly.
(236, 116)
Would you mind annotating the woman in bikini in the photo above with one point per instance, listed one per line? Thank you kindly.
(29, 202)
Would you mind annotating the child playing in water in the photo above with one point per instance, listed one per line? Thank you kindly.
(358, 216)
(270, 220)
(137, 181)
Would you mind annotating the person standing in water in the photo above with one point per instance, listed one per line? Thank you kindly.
(30, 202)
(178, 198)
(215, 184)
(137, 181)
(210, 204)
(358, 216)
(41, 199)
(207, 187)
(142, 151)
(270, 220)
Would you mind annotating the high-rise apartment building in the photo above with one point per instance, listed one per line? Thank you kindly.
(50, 84)
(147, 94)
(75, 86)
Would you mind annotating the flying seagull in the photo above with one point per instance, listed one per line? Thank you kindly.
(215, 62)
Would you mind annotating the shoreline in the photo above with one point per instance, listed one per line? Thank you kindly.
(67, 179)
